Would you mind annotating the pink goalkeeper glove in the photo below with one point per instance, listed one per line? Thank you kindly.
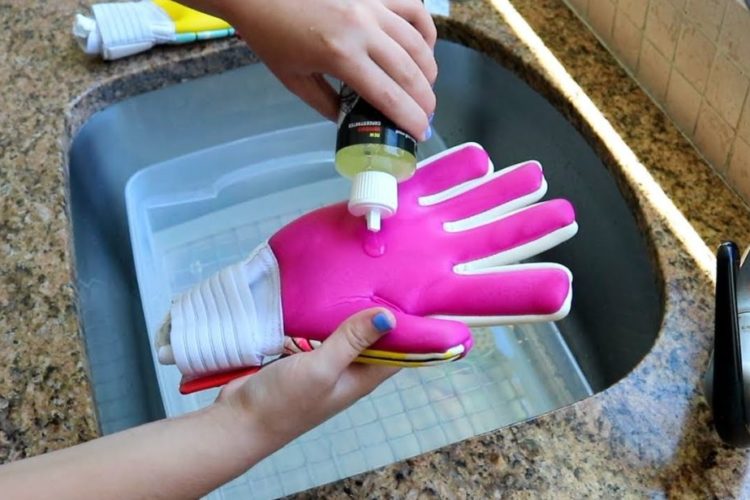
(448, 259)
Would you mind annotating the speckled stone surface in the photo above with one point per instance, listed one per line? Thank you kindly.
(647, 435)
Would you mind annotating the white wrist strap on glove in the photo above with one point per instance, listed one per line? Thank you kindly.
(231, 320)
(121, 29)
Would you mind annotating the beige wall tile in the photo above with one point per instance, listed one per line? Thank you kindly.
(735, 35)
(627, 40)
(683, 102)
(707, 15)
(635, 10)
(580, 6)
(726, 89)
(713, 136)
(602, 17)
(739, 168)
(743, 130)
(653, 70)
(663, 26)
(694, 56)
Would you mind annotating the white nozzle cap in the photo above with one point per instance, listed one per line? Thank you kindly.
(373, 220)
(374, 195)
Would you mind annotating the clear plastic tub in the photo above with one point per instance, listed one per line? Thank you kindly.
(192, 215)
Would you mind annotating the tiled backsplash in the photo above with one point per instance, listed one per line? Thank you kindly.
(693, 58)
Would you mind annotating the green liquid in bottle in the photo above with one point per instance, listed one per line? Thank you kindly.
(357, 158)
(368, 141)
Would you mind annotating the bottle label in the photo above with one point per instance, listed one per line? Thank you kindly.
(360, 123)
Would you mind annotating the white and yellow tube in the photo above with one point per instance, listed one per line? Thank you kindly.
(121, 29)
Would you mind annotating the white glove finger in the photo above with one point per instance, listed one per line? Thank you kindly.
(521, 293)
(448, 169)
(512, 237)
(488, 198)
(504, 295)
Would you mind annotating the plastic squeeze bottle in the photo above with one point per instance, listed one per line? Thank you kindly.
(375, 155)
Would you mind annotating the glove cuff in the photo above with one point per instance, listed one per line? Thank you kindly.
(121, 29)
(231, 320)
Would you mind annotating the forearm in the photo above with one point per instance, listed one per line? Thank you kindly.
(183, 457)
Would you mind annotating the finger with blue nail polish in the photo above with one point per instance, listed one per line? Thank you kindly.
(382, 322)
(296, 393)
(355, 335)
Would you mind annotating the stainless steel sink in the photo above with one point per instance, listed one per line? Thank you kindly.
(517, 373)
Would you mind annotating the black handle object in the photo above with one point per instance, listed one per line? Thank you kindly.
(728, 391)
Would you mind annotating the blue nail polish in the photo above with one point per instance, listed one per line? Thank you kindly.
(428, 133)
(382, 322)
(429, 118)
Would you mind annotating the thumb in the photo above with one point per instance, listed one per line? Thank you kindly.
(315, 91)
(355, 335)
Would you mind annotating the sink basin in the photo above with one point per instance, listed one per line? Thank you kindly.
(177, 175)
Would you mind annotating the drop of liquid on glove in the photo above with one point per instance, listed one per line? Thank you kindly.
(374, 245)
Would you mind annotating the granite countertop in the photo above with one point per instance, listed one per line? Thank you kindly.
(648, 434)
